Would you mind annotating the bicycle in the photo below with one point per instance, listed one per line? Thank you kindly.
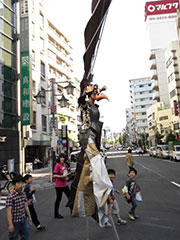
(8, 185)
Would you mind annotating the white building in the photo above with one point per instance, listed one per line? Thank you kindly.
(50, 57)
(141, 100)
(161, 20)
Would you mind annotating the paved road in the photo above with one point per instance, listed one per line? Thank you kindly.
(159, 211)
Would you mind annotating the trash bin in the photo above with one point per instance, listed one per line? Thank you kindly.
(10, 165)
(29, 167)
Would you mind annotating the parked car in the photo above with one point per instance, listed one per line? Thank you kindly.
(152, 151)
(175, 153)
(139, 150)
(162, 151)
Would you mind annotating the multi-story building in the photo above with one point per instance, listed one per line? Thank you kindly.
(159, 76)
(161, 20)
(9, 82)
(51, 64)
(60, 67)
(129, 130)
(159, 119)
(173, 68)
(141, 100)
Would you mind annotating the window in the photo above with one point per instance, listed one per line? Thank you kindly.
(44, 96)
(5, 28)
(33, 56)
(42, 44)
(43, 71)
(42, 19)
(173, 93)
(171, 77)
(176, 126)
(33, 126)
(163, 118)
(44, 123)
(169, 61)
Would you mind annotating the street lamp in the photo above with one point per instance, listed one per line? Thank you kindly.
(70, 88)
(63, 101)
(40, 97)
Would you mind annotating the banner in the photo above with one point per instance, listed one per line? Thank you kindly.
(25, 90)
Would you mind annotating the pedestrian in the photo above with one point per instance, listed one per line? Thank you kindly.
(60, 175)
(112, 204)
(30, 194)
(130, 191)
(18, 214)
(129, 159)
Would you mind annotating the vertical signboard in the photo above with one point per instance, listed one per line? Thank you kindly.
(25, 90)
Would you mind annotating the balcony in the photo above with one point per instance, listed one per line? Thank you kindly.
(143, 103)
(152, 56)
(155, 86)
(156, 96)
(154, 75)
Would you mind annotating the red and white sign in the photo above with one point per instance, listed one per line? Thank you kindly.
(161, 7)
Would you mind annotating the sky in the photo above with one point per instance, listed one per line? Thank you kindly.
(123, 54)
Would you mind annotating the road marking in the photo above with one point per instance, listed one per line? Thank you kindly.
(3, 202)
(157, 225)
(150, 170)
(176, 184)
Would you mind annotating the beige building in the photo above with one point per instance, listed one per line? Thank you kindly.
(172, 67)
(60, 67)
(159, 119)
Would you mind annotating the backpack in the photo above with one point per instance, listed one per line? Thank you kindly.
(124, 195)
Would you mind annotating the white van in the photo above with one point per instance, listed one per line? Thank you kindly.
(175, 153)
(162, 151)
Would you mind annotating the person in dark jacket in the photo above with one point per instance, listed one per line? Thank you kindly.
(30, 194)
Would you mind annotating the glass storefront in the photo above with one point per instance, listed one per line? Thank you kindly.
(8, 102)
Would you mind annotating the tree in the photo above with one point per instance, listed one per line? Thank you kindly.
(158, 138)
(170, 137)
(120, 140)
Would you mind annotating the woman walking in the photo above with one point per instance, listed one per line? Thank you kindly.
(60, 174)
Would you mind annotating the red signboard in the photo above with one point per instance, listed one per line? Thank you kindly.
(176, 108)
(161, 7)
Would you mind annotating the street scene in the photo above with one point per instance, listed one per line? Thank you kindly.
(89, 119)
(159, 210)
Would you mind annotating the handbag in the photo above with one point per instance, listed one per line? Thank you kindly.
(139, 196)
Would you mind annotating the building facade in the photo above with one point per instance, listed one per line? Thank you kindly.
(141, 98)
(159, 118)
(9, 81)
(50, 71)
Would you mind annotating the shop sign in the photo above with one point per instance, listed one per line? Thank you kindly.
(161, 7)
(25, 90)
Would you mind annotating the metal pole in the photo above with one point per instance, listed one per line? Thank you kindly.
(112, 221)
(52, 155)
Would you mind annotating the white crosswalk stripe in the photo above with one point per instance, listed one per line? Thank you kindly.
(3, 202)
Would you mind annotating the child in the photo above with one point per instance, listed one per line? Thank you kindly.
(17, 209)
(61, 175)
(130, 190)
(112, 203)
(31, 200)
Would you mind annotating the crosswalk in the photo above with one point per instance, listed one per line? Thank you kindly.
(3, 202)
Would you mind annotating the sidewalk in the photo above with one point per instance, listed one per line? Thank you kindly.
(41, 180)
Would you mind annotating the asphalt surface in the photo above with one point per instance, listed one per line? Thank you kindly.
(159, 212)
